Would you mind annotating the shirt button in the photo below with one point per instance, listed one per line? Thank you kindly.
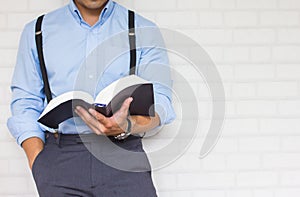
(91, 76)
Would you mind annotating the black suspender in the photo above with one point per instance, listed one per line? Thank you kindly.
(132, 42)
(39, 46)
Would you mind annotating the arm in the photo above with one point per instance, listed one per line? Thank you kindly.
(27, 97)
(142, 124)
(32, 147)
(154, 66)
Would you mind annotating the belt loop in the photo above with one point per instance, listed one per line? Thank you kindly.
(46, 135)
(57, 138)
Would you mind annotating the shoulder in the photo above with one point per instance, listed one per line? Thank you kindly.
(49, 17)
(140, 21)
(143, 22)
(148, 33)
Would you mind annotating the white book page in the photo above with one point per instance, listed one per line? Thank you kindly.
(107, 94)
(66, 97)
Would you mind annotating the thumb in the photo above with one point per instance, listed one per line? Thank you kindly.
(126, 104)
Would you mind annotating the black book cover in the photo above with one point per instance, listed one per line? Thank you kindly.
(142, 104)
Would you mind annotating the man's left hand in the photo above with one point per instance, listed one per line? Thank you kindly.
(101, 125)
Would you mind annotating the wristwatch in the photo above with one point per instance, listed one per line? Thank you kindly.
(125, 134)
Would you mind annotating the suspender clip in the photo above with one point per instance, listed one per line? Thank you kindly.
(38, 33)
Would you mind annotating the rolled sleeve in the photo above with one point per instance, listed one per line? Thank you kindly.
(164, 108)
(27, 91)
(159, 75)
(154, 66)
(29, 134)
(23, 123)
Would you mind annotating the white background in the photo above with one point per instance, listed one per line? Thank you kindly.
(256, 47)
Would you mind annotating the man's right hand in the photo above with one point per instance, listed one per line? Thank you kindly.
(32, 147)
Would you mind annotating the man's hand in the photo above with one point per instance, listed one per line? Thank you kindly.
(102, 125)
(32, 147)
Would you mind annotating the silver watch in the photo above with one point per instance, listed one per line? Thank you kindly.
(125, 134)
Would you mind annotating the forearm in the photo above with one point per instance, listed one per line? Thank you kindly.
(142, 124)
(32, 147)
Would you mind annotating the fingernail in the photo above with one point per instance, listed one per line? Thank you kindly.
(78, 108)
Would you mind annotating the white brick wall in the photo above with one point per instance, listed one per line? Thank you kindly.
(256, 46)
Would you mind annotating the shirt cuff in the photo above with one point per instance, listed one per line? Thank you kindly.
(163, 107)
(29, 134)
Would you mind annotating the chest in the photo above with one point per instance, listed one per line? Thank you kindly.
(78, 58)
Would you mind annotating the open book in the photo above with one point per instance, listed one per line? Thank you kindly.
(107, 102)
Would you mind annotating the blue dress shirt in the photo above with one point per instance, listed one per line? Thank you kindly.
(68, 42)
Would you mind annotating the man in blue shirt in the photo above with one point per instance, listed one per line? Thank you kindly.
(60, 165)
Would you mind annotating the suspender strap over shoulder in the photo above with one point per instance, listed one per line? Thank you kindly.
(132, 41)
(39, 46)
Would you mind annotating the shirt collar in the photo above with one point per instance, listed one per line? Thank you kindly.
(107, 10)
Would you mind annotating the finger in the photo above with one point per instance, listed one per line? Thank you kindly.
(101, 118)
(98, 127)
(107, 123)
(125, 106)
(83, 115)
(96, 130)
(89, 120)
(122, 113)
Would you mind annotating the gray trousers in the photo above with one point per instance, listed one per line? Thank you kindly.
(66, 167)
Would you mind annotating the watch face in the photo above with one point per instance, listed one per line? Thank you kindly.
(122, 136)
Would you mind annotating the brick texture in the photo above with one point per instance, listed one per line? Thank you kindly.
(255, 45)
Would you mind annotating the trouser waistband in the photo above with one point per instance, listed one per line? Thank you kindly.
(69, 139)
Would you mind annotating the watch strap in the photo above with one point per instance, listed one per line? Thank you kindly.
(127, 133)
